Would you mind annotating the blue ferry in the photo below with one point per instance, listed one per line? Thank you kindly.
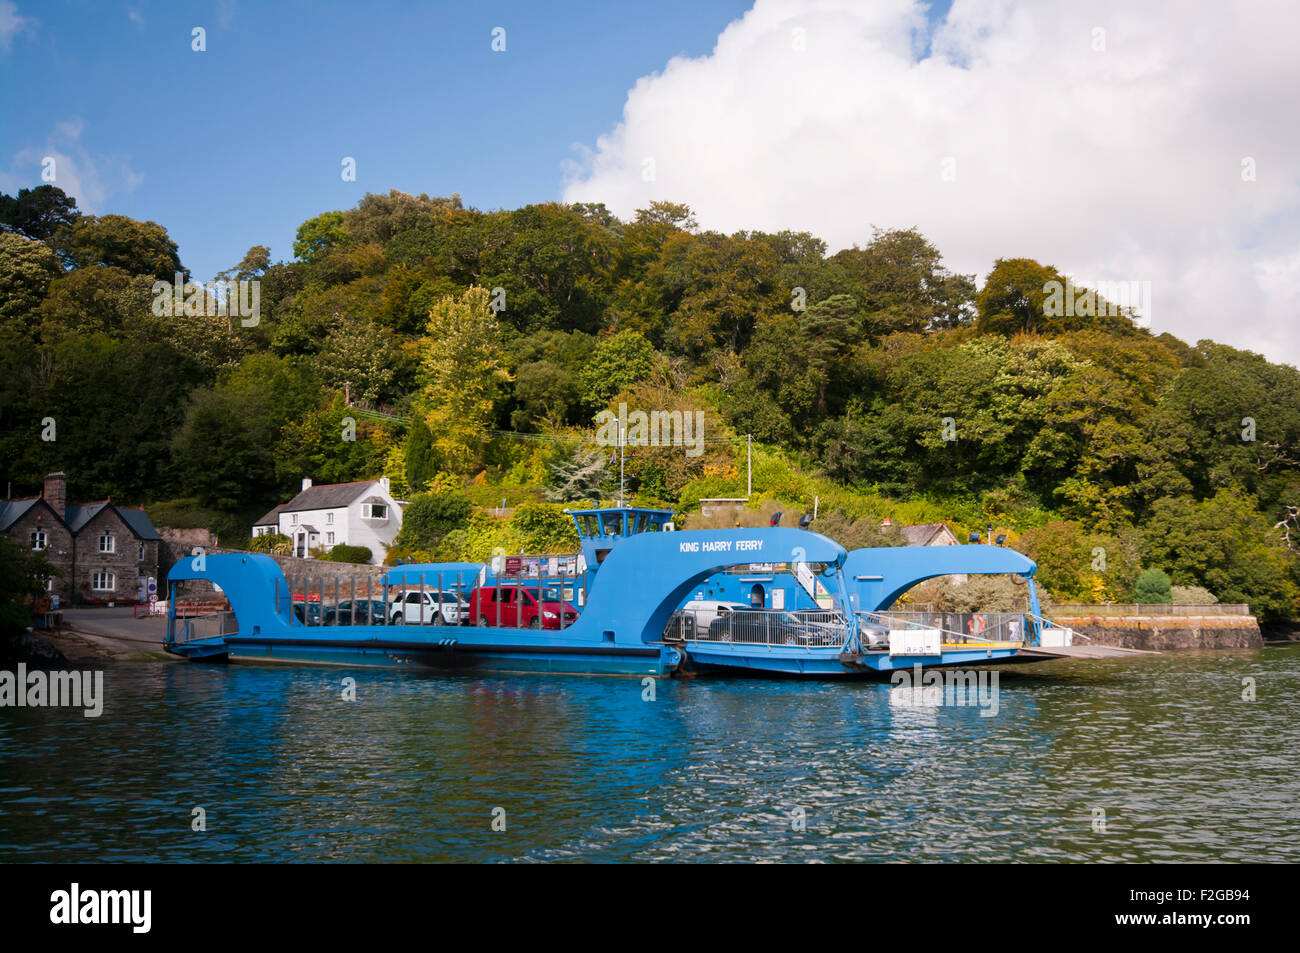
(637, 599)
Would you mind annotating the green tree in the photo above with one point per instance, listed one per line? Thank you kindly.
(1225, 545)
(27, 268)
(903, 286)
(226, 449)
(22, 583)
(428, 517)
(320, 235)
(421, 462)
(38, 213)
(543, 528)
(464, 371)
(95, 298)
(138, 248)
(616, 363)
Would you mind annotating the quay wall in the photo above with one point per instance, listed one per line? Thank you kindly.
(1162, 632)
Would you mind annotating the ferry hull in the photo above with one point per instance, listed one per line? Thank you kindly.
(484, 650)
(830, 662)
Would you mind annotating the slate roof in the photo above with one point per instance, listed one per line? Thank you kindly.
(78, 516)
(12, 510)
(328, 496)
(139, 521)
(272, 518)
(75, 516)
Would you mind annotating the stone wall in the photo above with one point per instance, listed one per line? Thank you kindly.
(1168, 632)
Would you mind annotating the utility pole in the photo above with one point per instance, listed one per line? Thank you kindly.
(749, 466)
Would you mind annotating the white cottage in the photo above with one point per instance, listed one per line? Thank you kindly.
(322, 517)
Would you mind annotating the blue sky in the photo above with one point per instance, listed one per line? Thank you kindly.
(1107, 139)
(238, 145)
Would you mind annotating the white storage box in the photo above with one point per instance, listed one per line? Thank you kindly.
(914, 642)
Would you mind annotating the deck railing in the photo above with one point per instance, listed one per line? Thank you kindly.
(955, 626)
(805, 628)
(204, 626)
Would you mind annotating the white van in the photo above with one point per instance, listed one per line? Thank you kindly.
(708, 611)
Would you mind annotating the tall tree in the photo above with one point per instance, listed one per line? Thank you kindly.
(464, 371)
(38, 213)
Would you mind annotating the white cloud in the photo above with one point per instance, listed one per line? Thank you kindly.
(11, 24)
(1120, 164)
(88, 178)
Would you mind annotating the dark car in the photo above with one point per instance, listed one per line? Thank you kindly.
(310, 615)
(767, 627)
(366, 612)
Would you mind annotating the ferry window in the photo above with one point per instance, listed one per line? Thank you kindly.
(587, 525)
(642, 522)
(612, 523)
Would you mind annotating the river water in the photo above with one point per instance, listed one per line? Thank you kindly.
(1158, 759)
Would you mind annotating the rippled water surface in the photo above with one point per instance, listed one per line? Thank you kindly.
(1153, 760)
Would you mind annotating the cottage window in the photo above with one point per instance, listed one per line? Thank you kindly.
(142, 552)
(39, 539)
(329, 517)
(329, 539)
(374, 511)
(103, 581)
(108, 543)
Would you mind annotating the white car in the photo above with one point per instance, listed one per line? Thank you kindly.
(708, 611)
(420, 608)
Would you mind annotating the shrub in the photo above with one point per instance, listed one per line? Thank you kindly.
(1153, 588)
(1193, 596)
(343, 553)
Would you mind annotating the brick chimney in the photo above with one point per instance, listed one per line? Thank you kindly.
(56, 492)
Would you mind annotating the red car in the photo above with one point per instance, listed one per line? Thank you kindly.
(515, 607)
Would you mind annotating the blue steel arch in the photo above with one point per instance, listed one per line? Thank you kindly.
(251, 581)
(647, 576)
(879, 575)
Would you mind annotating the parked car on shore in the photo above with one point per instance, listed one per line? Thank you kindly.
(517, 607)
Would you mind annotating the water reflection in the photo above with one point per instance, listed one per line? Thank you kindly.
(1178, 764)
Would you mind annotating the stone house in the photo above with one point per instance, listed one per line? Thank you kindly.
(104, 552)
(334, 514)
